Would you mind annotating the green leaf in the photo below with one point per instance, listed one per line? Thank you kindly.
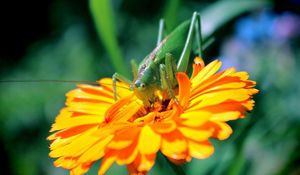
(221, 12)
(102, 13)
(170, 14)
(238, 162)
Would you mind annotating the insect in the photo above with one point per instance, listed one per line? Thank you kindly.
(157, 71)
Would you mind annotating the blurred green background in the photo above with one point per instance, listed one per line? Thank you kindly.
(57, 39)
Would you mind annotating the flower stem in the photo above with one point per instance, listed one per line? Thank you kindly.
(102, 14)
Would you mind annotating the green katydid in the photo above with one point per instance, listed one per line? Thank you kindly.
(158, 70)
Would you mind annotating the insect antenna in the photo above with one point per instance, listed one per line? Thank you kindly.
(47, 81)
(58, 81)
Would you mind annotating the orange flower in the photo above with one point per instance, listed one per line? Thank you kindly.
(94, 127)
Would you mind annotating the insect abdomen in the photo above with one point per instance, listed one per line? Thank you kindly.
(174, 43)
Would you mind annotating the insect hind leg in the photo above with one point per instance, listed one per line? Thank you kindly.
(184, 57)
(161, 29)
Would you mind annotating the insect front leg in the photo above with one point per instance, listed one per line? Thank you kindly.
(184, 57)
(116, 76)
(171, 69)
(167, 75)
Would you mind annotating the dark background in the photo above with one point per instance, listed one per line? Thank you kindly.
(57, 40)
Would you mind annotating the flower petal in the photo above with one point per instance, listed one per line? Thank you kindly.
(77, 146)
(93, 93)
(197, 66)
(70, 132)
(112, 114)
(66, 162)
(106, 162)
(184, 88)
(164, 127)
(194, 118)
(226, 116)
(149, 141)
(198, 87)
(76, 121)
(214, 98)
(221, 130)
(81, 168)
(124, 138)
(227, 111)
(132, 170)
(206, 72)
(88, 108)
(127, 112)
(144, 163)
(123, 89)
(95, 152)
(200, 150)
(173, 145)
(128, 154)
(195, 134)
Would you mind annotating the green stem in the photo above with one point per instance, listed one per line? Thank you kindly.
(102, 14)
(170, 14)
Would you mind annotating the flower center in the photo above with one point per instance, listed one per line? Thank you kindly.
(153, 113)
